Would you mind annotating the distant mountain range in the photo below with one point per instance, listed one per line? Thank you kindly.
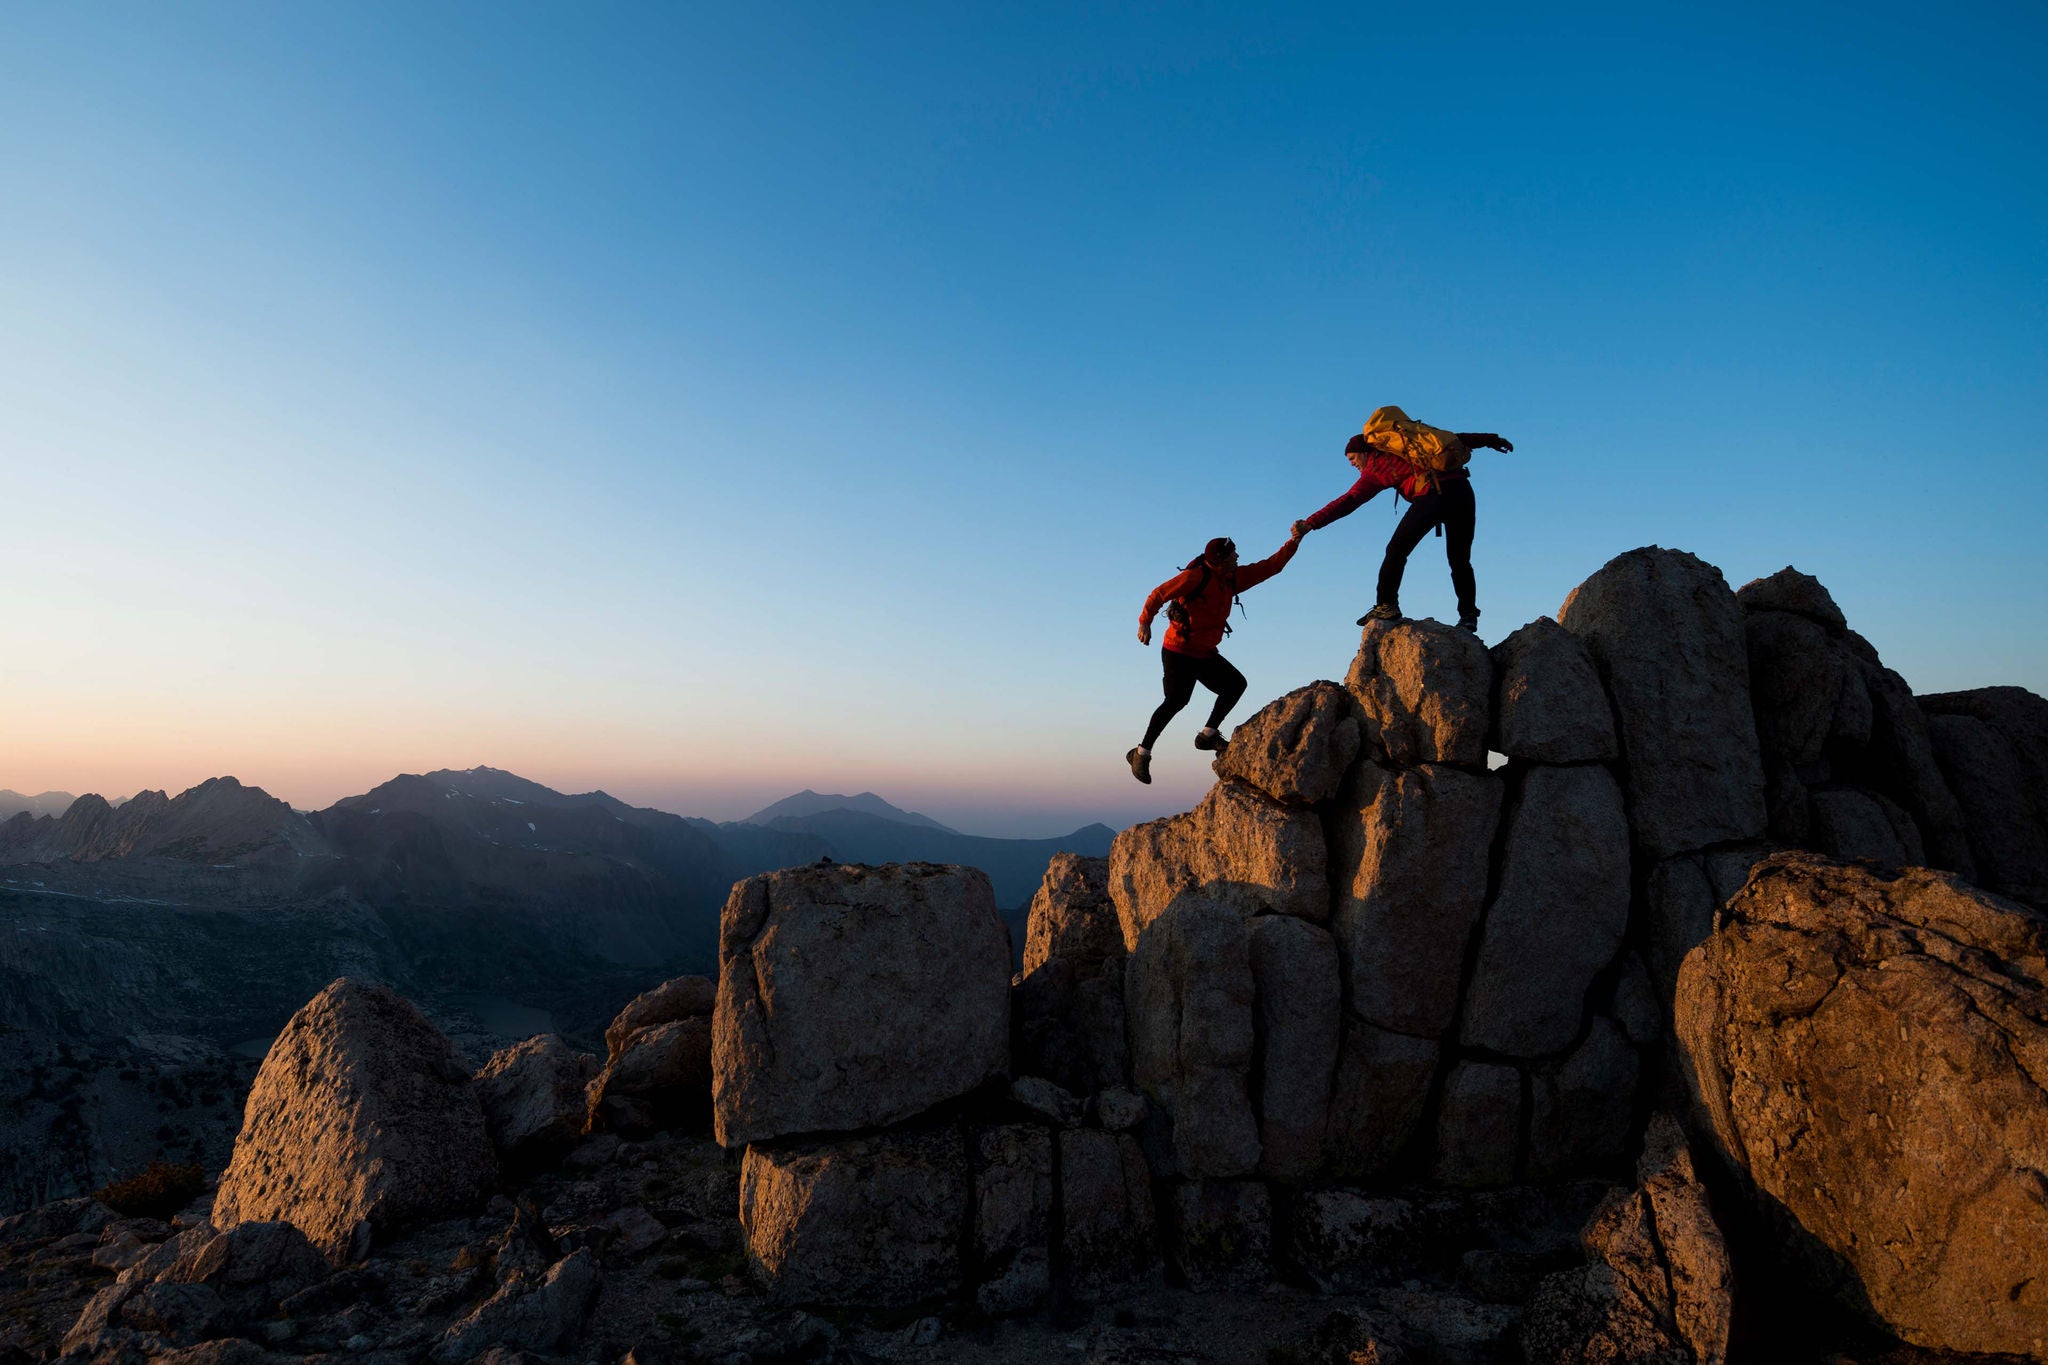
(472, 882)
(47, 803)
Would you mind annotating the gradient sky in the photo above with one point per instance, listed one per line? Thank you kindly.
(706, 402)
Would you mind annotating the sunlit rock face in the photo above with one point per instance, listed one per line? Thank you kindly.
(1865, 1048)
(362, 1120)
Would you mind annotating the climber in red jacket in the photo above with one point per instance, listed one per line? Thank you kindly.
(1434, 499)
(1201, 596)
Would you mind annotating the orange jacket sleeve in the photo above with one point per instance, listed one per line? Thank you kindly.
(1251, 575)
(1170, 588)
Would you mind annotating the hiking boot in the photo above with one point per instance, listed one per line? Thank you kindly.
(1385, 611)
(1469, 620)
(1141, 765)
(1211, 740)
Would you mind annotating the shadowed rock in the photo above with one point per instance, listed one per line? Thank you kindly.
(684, 997)
(1067, 1008)
(1296, 749)
(1796, 679)
(1853, 824)
(1238, 848)
(533, 1098)
(1902, 748)
(1012, 1218)
(873, 1221)
(1993, 747)
(1865, 1050)
(1559, 915)
(1549, 706)
(542, 1312)
(1411, 849)
(1189, 1000)
(1376, 1098)
(1667, 636)
(362, 1119)
(1347, 1240)
(1221, 1233)
(1581, 1113)
(659, 1077)
(1106, 1217)
(1299, 1019)
(1478, 1126)
(1426, 690)
(851, 997)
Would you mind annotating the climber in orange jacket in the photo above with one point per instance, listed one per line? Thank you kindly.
(1434, 499)
(1199, 617)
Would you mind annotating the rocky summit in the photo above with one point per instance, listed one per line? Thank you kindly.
(1663, 984)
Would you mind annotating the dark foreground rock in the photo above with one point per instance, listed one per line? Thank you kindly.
(1658, 1286)
(875, 1221)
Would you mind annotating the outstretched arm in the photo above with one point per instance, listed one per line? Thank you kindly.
(1483, 440)
(1251, 575)
(1353, 498)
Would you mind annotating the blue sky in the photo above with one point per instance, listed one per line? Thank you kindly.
(707, 403)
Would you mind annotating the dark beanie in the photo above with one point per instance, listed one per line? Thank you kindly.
(1358, 445)
(1213, 551)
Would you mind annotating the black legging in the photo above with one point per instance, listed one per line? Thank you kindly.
(1452, 506)
(1183, 671)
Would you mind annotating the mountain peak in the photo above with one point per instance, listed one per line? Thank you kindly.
(808, 802)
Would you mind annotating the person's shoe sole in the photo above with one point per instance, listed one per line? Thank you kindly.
(1377, 615)
(1214, 746)
(1141, 766)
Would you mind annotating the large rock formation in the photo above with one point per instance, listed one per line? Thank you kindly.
(852, 997)
(362, 1119)
(1239, 848)
(1190, 1001)
(1866, 1050)
(1667, 636)
(1426, 690)
(1296, 749)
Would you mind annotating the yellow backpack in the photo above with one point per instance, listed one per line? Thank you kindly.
(1432, 450)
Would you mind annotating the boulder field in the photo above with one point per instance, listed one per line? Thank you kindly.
(1549, 1002)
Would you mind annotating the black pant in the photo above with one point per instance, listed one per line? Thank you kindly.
(1452, 507)
(1183, 671)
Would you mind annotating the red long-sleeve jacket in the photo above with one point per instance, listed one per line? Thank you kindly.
(1382, 471)
(1209, 610)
